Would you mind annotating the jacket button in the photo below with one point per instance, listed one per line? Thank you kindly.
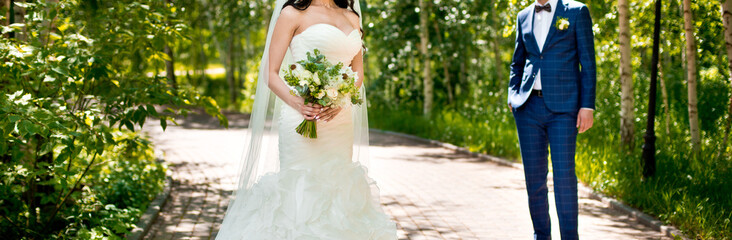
(541, 57)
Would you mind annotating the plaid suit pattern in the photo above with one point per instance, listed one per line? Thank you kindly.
(567, 65)
(540, 128)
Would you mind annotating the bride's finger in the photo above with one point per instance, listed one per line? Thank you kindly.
(327, 112)
(332, 114)
(311, 110)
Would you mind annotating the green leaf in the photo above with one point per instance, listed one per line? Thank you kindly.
(163, 123)
(13, 118)
(108, 137)
(99, 146)
(28, 128)
(139, 115)
(129, 125)
(60, 71)
(46, 148)
(151, 110)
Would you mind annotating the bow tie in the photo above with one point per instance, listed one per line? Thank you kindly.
(547, 8)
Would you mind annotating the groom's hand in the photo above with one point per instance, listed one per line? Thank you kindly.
(584, 119)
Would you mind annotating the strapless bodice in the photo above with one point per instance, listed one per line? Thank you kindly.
(336, 45)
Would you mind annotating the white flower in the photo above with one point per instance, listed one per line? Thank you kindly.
(296, 69)
(320, 95)
(305, 74)
(316, 79)
(303, 83)
(562, 23)
(347, 72)
(332, 92)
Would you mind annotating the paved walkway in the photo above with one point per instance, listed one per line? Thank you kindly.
(431, 192)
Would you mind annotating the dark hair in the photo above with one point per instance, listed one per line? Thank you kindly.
(304, 4)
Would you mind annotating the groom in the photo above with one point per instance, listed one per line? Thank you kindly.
(552, 97)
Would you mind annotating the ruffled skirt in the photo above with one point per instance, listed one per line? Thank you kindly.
(319, 192)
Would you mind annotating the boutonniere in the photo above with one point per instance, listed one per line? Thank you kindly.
(562, 23)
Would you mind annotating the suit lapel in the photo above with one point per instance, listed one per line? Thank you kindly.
(532, 37)
(553, 29)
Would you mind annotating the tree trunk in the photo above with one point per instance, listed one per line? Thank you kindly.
(664, 94)
(224, 57)
(691, 77)
(727, 21)
(202, 64)
(446, 59)
(170, 65)
(424, 49)
(497, 49)
(462, 77)
(230, 70)
(627, 114)
(5, 11)
(649, 147)
(17, 16)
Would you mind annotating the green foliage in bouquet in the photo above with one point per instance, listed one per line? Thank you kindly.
(319, 81)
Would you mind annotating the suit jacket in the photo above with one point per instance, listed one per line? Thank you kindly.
(567, 62)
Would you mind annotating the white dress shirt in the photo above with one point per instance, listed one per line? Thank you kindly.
(542, 24)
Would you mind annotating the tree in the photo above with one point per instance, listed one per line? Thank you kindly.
(4, 12)
(664, 94)
(428, 83)
(649, 148)
(627, 112)
(691, 71)
(497, 44)
(446, 60)
(170, 62)
(726, 20)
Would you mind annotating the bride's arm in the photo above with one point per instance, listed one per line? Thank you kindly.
(282, 35)
(357, 62)
(357, 66)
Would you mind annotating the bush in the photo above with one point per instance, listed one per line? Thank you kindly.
(106, 202)
(74, 76)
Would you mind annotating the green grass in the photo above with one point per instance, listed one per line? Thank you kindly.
(694, 194)
(463, 129)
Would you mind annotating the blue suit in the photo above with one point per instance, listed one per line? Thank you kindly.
(568, 80)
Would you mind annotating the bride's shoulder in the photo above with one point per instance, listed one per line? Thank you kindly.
(353, 17)
(291, 13)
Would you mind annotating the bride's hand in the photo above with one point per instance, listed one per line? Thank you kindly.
(309, 111)
(328, 114)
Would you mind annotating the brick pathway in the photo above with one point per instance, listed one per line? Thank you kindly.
(431, 192)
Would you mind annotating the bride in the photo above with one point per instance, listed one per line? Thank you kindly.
(290, 186)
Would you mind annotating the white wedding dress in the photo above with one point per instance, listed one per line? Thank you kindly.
(319, 192)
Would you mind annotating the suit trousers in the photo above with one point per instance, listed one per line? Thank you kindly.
(538, 129)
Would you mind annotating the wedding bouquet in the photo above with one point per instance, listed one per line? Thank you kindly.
(321, 82)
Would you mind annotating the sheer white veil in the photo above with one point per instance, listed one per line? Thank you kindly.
(260, 155)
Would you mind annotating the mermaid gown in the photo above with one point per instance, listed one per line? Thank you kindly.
(319, 192)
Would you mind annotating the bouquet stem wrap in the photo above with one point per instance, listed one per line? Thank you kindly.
(308, 128)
